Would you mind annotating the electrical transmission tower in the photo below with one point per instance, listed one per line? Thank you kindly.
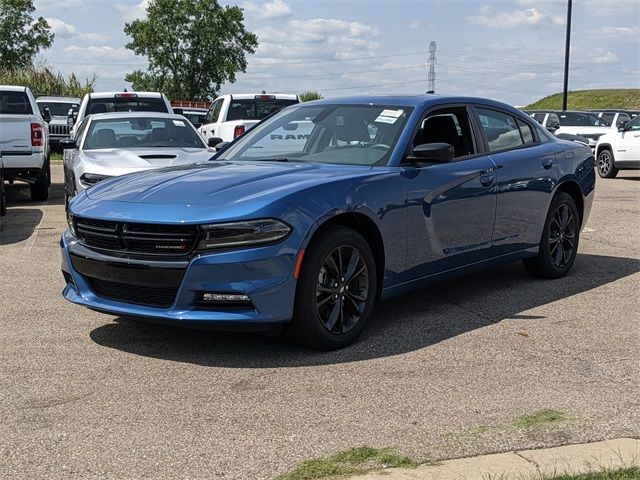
(431, 63)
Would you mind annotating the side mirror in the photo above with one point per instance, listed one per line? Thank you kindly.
(71, 117)
(622, 126)
(214, 141)
(68, 143)
(432, 152)
(553, 126)
(221, 146)
(46, 114)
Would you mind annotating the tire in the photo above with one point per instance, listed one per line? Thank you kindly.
(40, 188)
(559, 242)
(330, 310)
(3, 196)
(606, 164)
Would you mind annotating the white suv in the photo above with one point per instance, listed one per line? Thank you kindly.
(619, 150)
(111, 102)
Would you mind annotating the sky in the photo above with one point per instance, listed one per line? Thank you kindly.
(509, 50)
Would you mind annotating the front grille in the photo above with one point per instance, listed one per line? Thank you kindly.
(147, 239)
(59, 130)
(161, 297)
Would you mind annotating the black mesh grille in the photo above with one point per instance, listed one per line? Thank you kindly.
(59, 129)
(161, 297)
(173, 240)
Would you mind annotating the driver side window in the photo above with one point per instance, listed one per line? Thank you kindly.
(214, 111)
(447, 125)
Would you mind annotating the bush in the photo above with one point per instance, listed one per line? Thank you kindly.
(42, 81)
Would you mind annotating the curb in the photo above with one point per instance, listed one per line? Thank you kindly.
(575, 459)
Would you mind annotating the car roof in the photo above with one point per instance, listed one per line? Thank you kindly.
(113, 94)
(252, 96)
(13, 88)
(54, 99)
(417, 100)
(143, 114)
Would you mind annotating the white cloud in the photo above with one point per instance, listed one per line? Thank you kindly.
(268, 10)
(133, 12)
(600, 55)
(617, 32)
(58, 4)
(516, 18)
(65, 30)
(60, 28)
(414, 25)
(99, 54)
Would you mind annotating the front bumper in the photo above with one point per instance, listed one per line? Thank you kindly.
(264, 274)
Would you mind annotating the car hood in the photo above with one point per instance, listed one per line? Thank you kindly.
(221, 183)
(119, 159)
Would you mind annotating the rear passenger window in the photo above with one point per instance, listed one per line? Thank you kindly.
(501, 130)
(525, 131)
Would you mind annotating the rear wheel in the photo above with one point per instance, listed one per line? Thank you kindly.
(40, 188)
(336, 290)
(559, 242)
(606, 164)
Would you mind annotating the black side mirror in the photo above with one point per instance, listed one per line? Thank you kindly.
(214, 141)
(622, 126)
(68, 143)
(432, 152)
(553, 126)
(71, 117)
(46, 114)
(221, 146)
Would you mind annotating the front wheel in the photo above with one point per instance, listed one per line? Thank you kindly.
(559, 242)
(606, 164)
(336, 290)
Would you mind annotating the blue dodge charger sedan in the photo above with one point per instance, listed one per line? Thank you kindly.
(325, 208)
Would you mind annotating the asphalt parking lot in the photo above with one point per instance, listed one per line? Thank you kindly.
(440, 373)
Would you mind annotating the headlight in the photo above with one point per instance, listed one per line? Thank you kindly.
(70, 223)
(249, 232)
(89, 179)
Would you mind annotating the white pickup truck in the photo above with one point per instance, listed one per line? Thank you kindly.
(231, 115)
(24, 140)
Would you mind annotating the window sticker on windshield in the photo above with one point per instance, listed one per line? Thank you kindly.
(383, 119)
(178, 123)
(392, 113)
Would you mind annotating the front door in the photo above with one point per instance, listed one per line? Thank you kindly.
(450, 206)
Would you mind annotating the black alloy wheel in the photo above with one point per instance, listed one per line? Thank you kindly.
(336, 290)
(562, 236)
(342, 289)
(559, 243)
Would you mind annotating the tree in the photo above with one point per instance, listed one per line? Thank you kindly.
(192, 46)
(21, 37)
(310, 95)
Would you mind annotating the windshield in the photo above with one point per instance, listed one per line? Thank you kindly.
(58, 109)
(126, 104)
(343, 134)
(255, 109)
(142, 132)
(580, 119)
(196, 118)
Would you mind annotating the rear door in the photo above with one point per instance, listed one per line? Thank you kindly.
(526, 175)
(15, 123)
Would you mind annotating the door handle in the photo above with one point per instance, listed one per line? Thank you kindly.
(547, 163)
(486, 180)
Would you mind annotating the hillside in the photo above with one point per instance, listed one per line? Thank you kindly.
(586, 99)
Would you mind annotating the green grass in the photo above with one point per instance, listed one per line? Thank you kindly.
(587, 99)
(348, 462)
(540, 417)
(56, 157)
(629, 473)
